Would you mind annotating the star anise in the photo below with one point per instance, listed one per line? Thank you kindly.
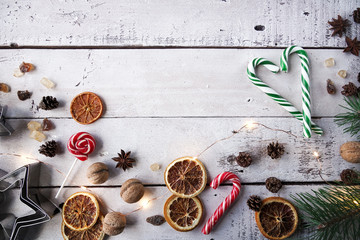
(124, 160)
(338, 25)
(353, 46)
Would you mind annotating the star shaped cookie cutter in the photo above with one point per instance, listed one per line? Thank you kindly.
(3, 124)
(10, 225)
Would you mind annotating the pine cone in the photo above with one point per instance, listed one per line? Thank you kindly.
(349, 90)
(273, 184)
(48, 103)
(244, 159)
(356, 15)
(275, 150)
(49, 148)
(254, 203)
(348, 176)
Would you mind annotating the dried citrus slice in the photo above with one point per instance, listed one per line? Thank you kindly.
(183, 214)
(80, 211)
(185, 177)
(93, 233)
(86, 108)
(277, 218)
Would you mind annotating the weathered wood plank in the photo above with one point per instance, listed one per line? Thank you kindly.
(173, 23)
(161, 140)
(237, 223)
(170, 82)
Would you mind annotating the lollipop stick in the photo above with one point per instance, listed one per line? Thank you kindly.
(62, 185)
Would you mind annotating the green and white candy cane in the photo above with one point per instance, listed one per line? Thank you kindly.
(272, 93)
(305, 83)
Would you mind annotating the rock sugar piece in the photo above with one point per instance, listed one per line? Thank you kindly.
(37, 135)
(155, 167)
(330, 87)
(4, 88)
(23, 95)
(47, 83)
(18, 73)
(86, 108)
(342, 73)
(47, 125)
(26, 67)
(33, 125)
(330, 62)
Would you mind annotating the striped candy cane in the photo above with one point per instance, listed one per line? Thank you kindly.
(226, 203)
(272, 93)
(305, 83)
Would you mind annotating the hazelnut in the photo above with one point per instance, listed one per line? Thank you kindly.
(98, 173)
(132, 190)
(350, 152)
(114, 223)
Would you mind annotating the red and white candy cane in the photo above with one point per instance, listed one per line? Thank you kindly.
(80, 145)
(228, 200)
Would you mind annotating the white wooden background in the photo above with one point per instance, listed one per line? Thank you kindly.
(172, 75)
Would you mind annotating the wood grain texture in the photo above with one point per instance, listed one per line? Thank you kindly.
(170, 82)
(166, 103)
(161, 140)
(203, 23)
(237, 223)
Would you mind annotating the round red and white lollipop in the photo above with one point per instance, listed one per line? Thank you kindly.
(80, 145)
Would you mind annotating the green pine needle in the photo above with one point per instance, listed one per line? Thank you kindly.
(331, 212)
(351, 119)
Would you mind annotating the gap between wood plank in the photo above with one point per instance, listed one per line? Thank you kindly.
(152, 47)
(172, 117)
(223, 184)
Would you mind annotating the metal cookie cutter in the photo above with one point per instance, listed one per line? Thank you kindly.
(5, 128)
(17, 219)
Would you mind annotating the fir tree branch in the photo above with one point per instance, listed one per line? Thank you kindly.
(350, 119)
(331, 212)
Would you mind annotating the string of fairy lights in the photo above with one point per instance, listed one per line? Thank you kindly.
(145, 202)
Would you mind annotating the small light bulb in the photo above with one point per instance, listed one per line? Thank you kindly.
(145, 203)
(356, 202)
(316, 154)
(83, 188)
(250, 124)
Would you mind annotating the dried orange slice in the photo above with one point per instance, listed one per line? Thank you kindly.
(185, 177)
(277, 218)
(86, 108)
(80, 211)
(183, 214)
(93, 233)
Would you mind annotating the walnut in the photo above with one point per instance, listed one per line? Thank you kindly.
(132, 190)
(114, 223)
(350, 152)
(98, 173)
